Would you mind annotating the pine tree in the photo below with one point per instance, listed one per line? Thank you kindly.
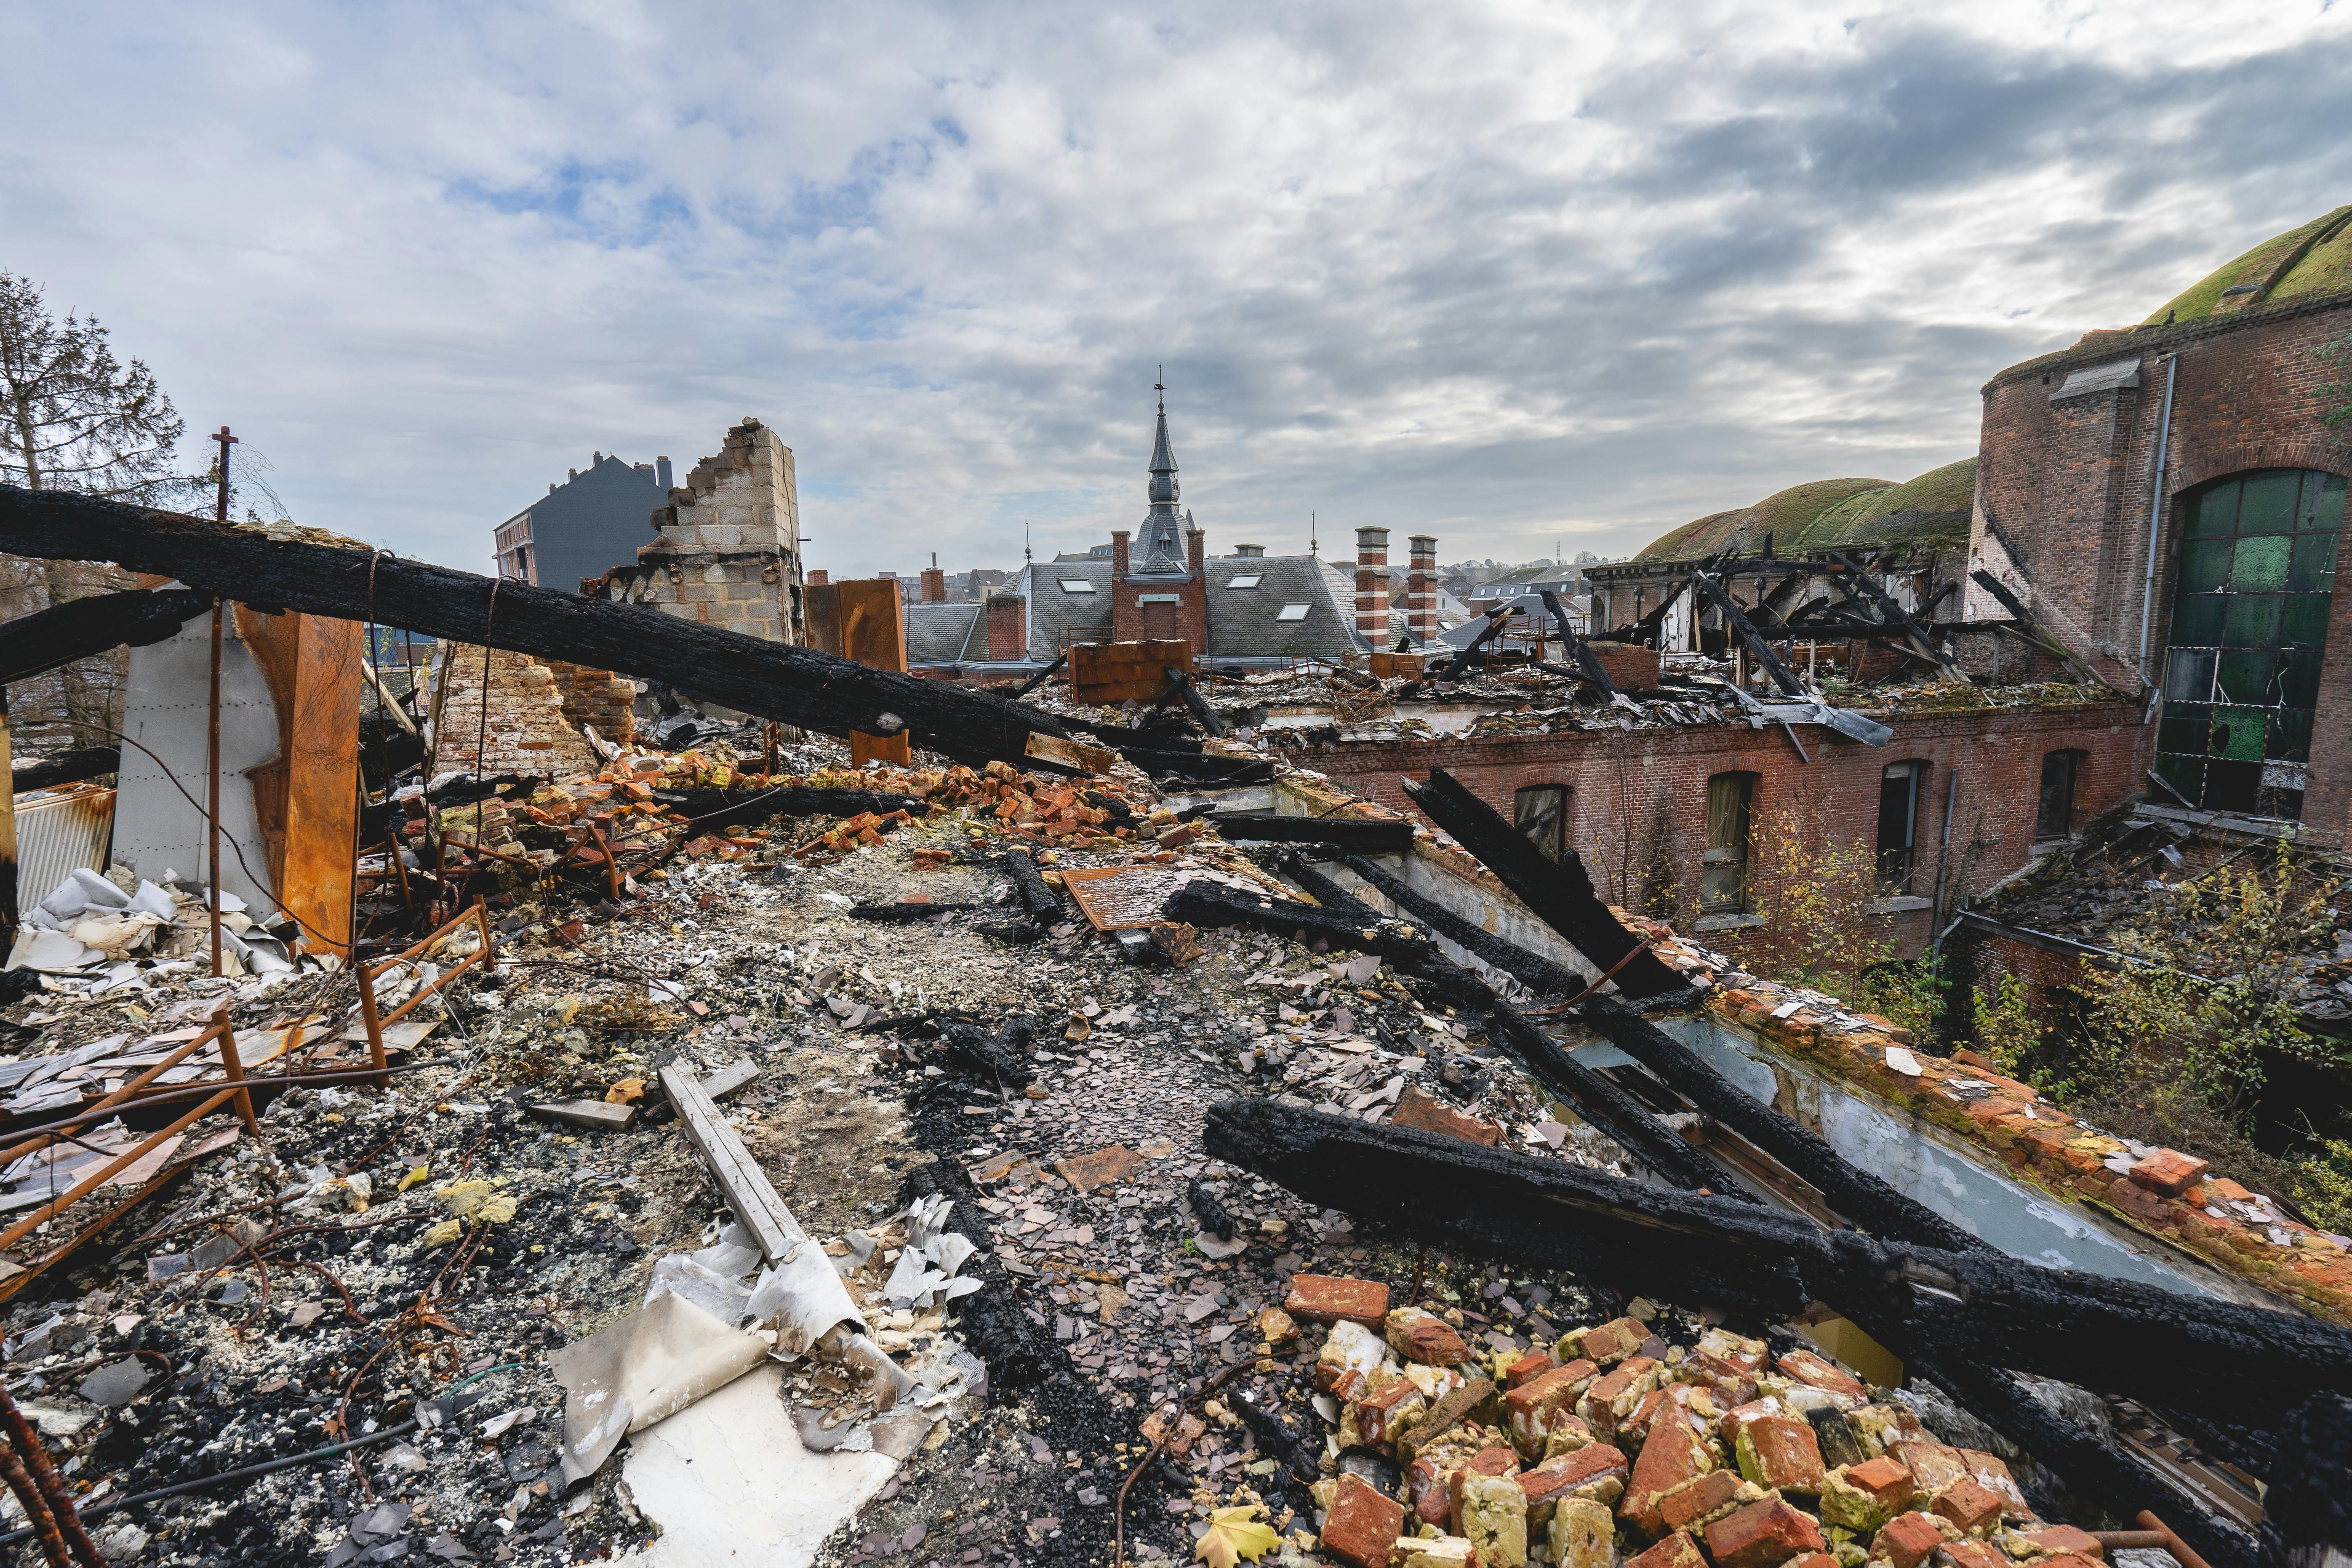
(72, 417)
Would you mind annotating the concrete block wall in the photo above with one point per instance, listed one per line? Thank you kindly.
(727, 550)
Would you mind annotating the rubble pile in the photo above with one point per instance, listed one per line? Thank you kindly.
(1651, 1439)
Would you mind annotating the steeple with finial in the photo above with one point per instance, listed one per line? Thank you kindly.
(1163, 531)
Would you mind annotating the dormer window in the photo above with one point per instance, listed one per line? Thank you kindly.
(1250, 581)
(1077, 586)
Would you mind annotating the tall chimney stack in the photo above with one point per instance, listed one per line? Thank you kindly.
(1372, 585)
(661, 472)
(935, 582)
(1421, 590)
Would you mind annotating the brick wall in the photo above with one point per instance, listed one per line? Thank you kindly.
(1008, 629)
(528, 731)
(597, 698)
(1637, 798)
(727, 550)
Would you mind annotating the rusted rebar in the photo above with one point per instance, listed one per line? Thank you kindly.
(27, 1446)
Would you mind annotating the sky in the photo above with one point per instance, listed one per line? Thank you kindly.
(1522, 276)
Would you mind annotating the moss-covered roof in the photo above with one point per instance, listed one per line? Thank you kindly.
(1834, 514)
(2303, 263)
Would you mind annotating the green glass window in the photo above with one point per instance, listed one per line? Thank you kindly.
(2248, 620)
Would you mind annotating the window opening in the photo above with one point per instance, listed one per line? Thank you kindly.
(1898, 825)
(1723, 872)
(2055, 816)
(2249, 621)
(1251, 581)
(1540, 811)
(1292, 612)
(1077, 586)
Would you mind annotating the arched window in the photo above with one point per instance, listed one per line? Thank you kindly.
(1541, 812)
(2249, 621)
(1723, 872)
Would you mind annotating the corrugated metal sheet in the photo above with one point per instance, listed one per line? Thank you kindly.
(59, 832)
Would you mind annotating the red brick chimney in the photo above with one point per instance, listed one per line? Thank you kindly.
(819, 578)
(1119, 555)
(1008, 629)
(1421, 589)
(1196, 549)
(1372, 585)
(935, 583)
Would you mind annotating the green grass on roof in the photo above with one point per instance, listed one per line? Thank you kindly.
(2323, 270)
(1833, 514)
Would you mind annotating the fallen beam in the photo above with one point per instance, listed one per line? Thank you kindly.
(1536, 971)
(1982, 1307)
(280, 570)
(1363, 931)
(35, 644)
(1044, 904)
(67, 767)
(1561, 895)
(1182, 685)
(1587, 662)
(1853, 1192)
(1355, 834)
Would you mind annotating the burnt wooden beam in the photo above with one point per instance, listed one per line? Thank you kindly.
(1038, 680)
(1399, 944)
(1540, 974)
(1561, 895)
(2245, 1363)
(35, 644)
(2032, 631)
(1354, 835)
(1586, 660)
(1855, 1192)
(1462, 660)
(1181, 684)
(1894, 614)
(1044, 904)
(1782, 677)
(68, 767)
(292, 571)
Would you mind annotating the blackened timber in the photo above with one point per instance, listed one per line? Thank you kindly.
(1181, 684)
(1757, 649)
(1855, 1193)
(1561, 894)
(1461, 661)
(1536, 971)
(68, 767)
(775, 680)
(45, 639)
(2245, 1363)
(1044, 904)
(1586, 660)
(1354, 833)
(1038, 680)
(1403, 948)
(1894, 614)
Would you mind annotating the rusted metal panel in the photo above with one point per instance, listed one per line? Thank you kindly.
(59, 832)
(307, 796)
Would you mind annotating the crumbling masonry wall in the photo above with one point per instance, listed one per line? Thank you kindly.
(727, 550)
(528, 730)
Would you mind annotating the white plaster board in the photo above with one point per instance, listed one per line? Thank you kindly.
(728, 1479)
(166, 709)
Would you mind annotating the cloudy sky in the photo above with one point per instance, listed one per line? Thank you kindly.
(1511, 273)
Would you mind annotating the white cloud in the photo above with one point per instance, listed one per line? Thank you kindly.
(1508, 272)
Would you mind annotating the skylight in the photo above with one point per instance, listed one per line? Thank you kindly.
(1077, 586)
(1292, 612)
(1252, 581)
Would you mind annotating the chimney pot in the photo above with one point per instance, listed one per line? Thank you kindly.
(661, 472)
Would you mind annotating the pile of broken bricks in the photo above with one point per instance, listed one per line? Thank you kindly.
(1614, 1445)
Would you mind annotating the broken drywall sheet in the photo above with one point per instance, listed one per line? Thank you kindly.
(649, 1365)
(166, 709)
(728, 1480)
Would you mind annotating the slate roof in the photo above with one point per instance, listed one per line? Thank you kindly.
(1086, 616)
(1242, 623)
(940, 634)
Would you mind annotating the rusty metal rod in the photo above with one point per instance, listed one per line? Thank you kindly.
(40, 1522)
(27, 1445)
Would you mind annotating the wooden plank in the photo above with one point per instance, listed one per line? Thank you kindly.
(742, 1183)
(42, 641)
(1126, 671)
(1072, 753)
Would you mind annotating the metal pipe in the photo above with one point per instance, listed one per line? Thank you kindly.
(2156, 513)
(1944, 847)
(212, 744)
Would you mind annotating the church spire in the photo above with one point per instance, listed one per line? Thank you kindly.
(1163, 490)
(1163, 539)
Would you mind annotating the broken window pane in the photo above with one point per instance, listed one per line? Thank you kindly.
(2054, 818)
(2239, 732)
(1541, 812)
(2249, 676)
(1898, 817)
(2314, 569)
(1723, 877)
(2290, 736)
(2269, 504)
(2184, 727)
(2188, 675)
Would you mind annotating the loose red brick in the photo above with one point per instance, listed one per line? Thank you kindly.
(1526, 1369)
(1887, 1482)
(2069, 1560)
(1364, 1524)
(1761, 1535)
(1527, 1409)
(1818, 1560)
(1906, 1541)
(1611, 1341)
(1736, 1419)
(1595, 1473)
(1330, 1298)
(1780, 1453)
(1969, 1505)
(1673, 1455)
(1424, 1336)
(1696, 1500)
(1612, 1397)
(1991, 1472)
(1677, 1551)
(1808, 1368)
(1380, 1417)
(2167, 1170)
(1427, 1111)
(1934, 1466)
(2065, 1540)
